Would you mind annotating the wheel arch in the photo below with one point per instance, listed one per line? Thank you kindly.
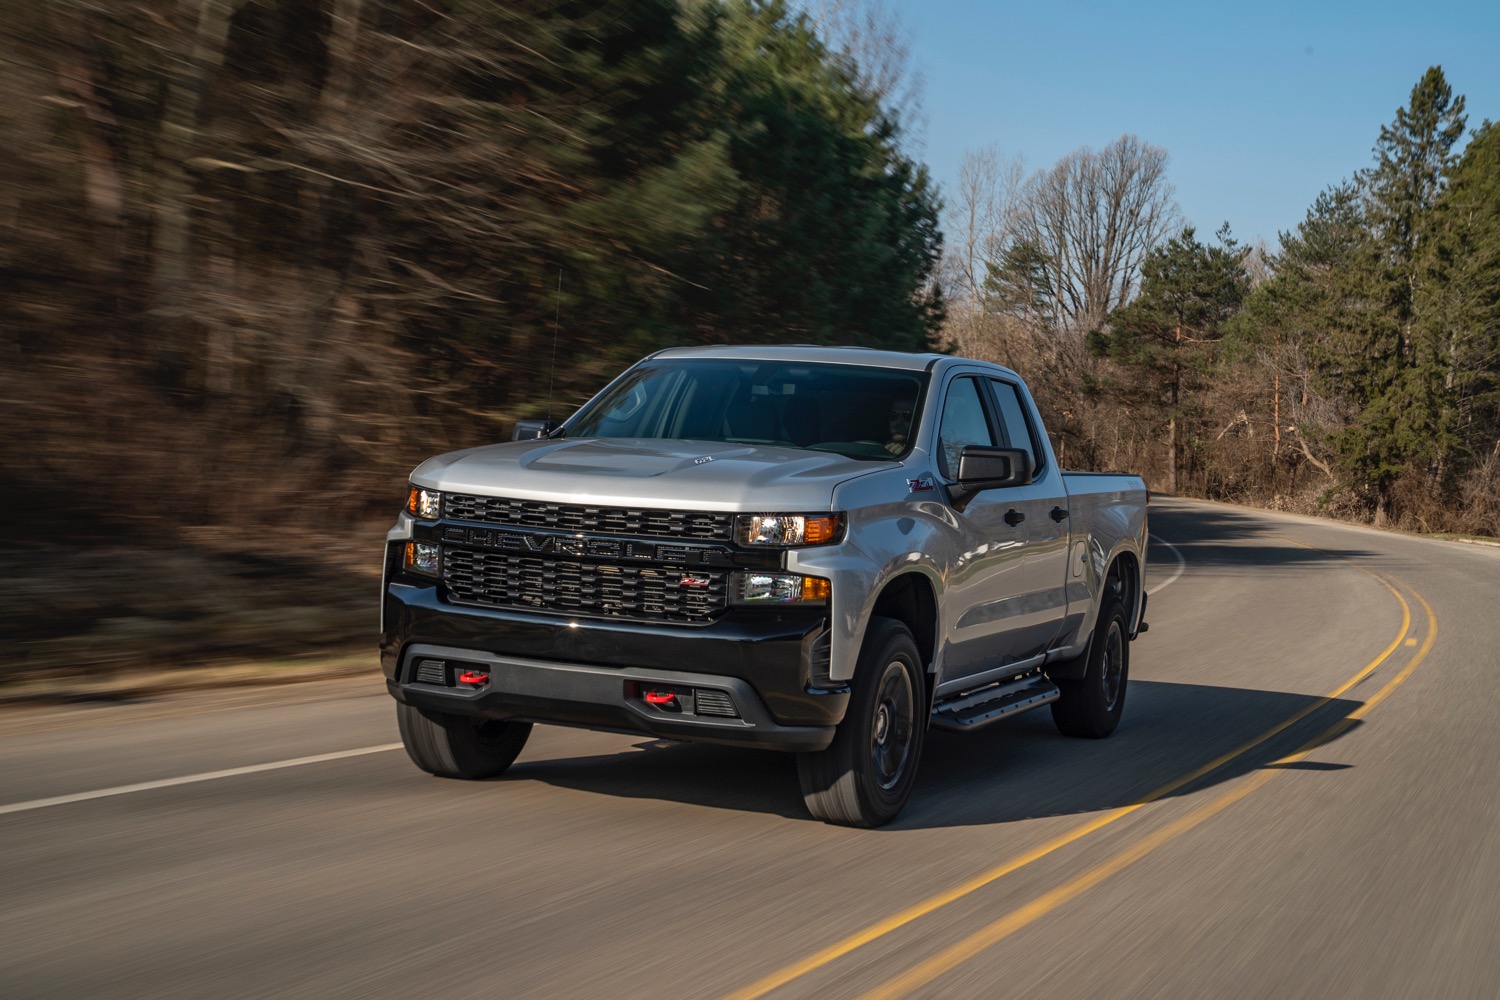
(1124, 576)
(911, 599)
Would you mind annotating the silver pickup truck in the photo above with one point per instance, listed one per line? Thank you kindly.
(819, 550)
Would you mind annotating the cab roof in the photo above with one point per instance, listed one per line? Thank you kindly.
(866, 356)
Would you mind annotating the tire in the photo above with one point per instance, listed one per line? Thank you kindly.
(866, 774)
(459, 746)
(1090, 707)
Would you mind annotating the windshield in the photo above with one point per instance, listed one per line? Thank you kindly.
(851, 410)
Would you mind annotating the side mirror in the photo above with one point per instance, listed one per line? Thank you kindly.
(527, 430)
(983, 468)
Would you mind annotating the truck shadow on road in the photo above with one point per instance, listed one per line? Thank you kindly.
(1014, 770)
(1025, 769)
(1210, 538)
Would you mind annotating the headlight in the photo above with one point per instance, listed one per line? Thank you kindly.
(779, 588)
(422, 557)
(787, 530)
(426, 504)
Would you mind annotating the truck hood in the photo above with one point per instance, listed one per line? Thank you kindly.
(632, 472)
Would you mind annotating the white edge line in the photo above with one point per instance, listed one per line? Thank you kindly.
(1181, 565)
(189, 779)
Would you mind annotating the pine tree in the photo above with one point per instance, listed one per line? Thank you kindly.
(1167, 338)
(1019, 284)
(1412, 159)
(1396, 377)
(1458, 295)
(1299, 322)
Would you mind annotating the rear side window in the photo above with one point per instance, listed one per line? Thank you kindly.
(1013, 423)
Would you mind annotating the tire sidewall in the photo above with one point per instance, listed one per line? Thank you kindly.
(1111, 639)
(890, 647)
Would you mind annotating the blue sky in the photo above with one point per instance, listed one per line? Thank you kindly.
(1260, 105)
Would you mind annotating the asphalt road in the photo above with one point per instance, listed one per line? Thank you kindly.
(1303, 800)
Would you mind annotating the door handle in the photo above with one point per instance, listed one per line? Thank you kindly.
(1058, 514)
(1014, 517)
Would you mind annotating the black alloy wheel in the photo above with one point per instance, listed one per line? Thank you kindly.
(1091, 706)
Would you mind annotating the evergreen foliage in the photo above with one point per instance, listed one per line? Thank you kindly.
(1458, 296)
(1166, 340)
(1394, 374)
(1368, 359)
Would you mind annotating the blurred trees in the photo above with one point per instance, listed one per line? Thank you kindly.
(286, 248)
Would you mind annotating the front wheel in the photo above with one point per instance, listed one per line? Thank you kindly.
(866, 774)
(459, 746)
(1090, 706)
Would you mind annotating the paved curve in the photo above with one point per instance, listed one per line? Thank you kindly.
(1345, 844)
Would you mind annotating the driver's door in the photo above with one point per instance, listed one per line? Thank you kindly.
(997, 614)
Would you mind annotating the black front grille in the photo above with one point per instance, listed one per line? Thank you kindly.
(700, 525)
(599, 590)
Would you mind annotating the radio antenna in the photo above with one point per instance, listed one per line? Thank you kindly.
(552, 369)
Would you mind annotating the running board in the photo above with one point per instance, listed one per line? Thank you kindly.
(973, 709)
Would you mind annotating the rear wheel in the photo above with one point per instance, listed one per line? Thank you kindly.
(866, 774)
(459, 746)
(1091, 706)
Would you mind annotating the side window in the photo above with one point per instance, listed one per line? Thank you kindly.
(1013, 422)
(964, 422)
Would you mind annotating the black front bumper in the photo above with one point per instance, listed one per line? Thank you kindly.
(595, 674)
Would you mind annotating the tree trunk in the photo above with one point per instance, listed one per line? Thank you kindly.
(1276, 402)
(172, 226)
(103, 190)
(1276, 416)
(1172, 454)
(1172, 422)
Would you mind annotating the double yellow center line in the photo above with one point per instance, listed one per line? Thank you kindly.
(952, 956)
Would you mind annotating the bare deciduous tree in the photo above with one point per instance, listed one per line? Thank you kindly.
(980, 222)
(1095, 216)
(981, 219)
(1032, 267)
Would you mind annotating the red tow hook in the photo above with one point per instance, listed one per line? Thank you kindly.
(474, 677)
(663, 699)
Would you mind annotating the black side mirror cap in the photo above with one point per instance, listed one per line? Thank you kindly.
(983, 468)
(528, 430)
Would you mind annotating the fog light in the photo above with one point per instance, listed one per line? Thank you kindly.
(422, 557)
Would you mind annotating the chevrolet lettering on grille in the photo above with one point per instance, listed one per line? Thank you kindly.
(575, 545)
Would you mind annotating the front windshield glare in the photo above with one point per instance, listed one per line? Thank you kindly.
(847, 409)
